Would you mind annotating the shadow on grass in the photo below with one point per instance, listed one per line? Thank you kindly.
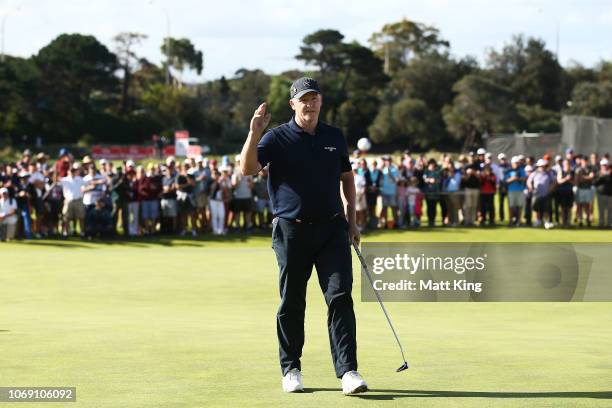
(144, 242)
(386, 394)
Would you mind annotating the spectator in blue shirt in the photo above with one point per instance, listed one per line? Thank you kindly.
(514, 179)
(390, 175)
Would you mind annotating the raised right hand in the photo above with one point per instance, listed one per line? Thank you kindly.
(260, 120)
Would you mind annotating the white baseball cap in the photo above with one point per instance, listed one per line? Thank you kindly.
(501, 156)
(481, 151)
(558, 157)
(103, 161)
(604, 162)
(541, 163)
(3, 190)
(515, 159)
(192, 171)
(199, 159)
(528, 168)
(130, 163)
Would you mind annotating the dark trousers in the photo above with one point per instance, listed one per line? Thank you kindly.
(503, 193)
(487, 207)
(299, 246)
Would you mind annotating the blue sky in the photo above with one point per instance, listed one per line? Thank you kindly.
(266, 34)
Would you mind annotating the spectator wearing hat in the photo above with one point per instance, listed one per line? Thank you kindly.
(25, 160)
(93, 190)
(361, 207)
(41, 163)
(499, 169)
(262, 199)
(372, 190)
(53, 200)
(23, 195)
(219, 195)
(569, 155)
(134, 176)
(8, 215)
(62, 166)
(202, 180)
(488, 187)
(185, 198)
(529, 169)
(470, 183)
(169, 206)
(242, 202)
(564, 192)
(603, 186)
(514, 179)
(451, 183)
(388, 190)
(540, 183)
(432, 178)
(149, 190)
(555, 169)
(36, 189)
(119, 188)
(74, 210)
(584, 192)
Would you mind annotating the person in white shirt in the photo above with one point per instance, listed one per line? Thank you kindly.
(8, 215)
(72, 188)
(94, 189)
(361, 207)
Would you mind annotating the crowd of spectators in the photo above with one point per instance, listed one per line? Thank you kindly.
(196, 196)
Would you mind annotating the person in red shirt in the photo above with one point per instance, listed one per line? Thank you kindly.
(62, 166)
(488, 186)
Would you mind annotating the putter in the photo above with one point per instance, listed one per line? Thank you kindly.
(380, 302)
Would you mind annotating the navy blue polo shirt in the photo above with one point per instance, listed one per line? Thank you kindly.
(305, 169)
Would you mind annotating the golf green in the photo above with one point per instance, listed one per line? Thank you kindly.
(191, 323)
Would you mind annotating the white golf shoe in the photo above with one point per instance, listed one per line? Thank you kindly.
(292, 381)
(352, 383)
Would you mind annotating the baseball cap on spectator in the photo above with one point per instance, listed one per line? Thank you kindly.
(569, 150)
(27, 152)
(546, 157)
(36, 177)
(515, 159)
(604, 162)
(501, 156)
(528, 168)
(558, 158)
(103, 162)
(386, 157)
(41, 156)
(224, 168)
(76, 166)
(4, 190)
(541, 163)
(481, 151)
(170, 160)
(521, 156)
(130, 163)
(87, 160)
(199, 159)
(63, 152)
(489, 154)
(192, 171)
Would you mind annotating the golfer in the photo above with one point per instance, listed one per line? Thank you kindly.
(309, 171)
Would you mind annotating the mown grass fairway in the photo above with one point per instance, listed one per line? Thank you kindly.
(191, 323)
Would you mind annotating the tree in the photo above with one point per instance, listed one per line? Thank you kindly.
(278, 100)
(124, 49)
(399, 42)
(77, 78)
(481, 105)
(181, 54)
(321, 49)
(592, 99)
(530, 70)
(407, 121)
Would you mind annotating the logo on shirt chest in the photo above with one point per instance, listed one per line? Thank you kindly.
(330, 148)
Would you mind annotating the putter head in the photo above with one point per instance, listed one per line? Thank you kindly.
(403, 367)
